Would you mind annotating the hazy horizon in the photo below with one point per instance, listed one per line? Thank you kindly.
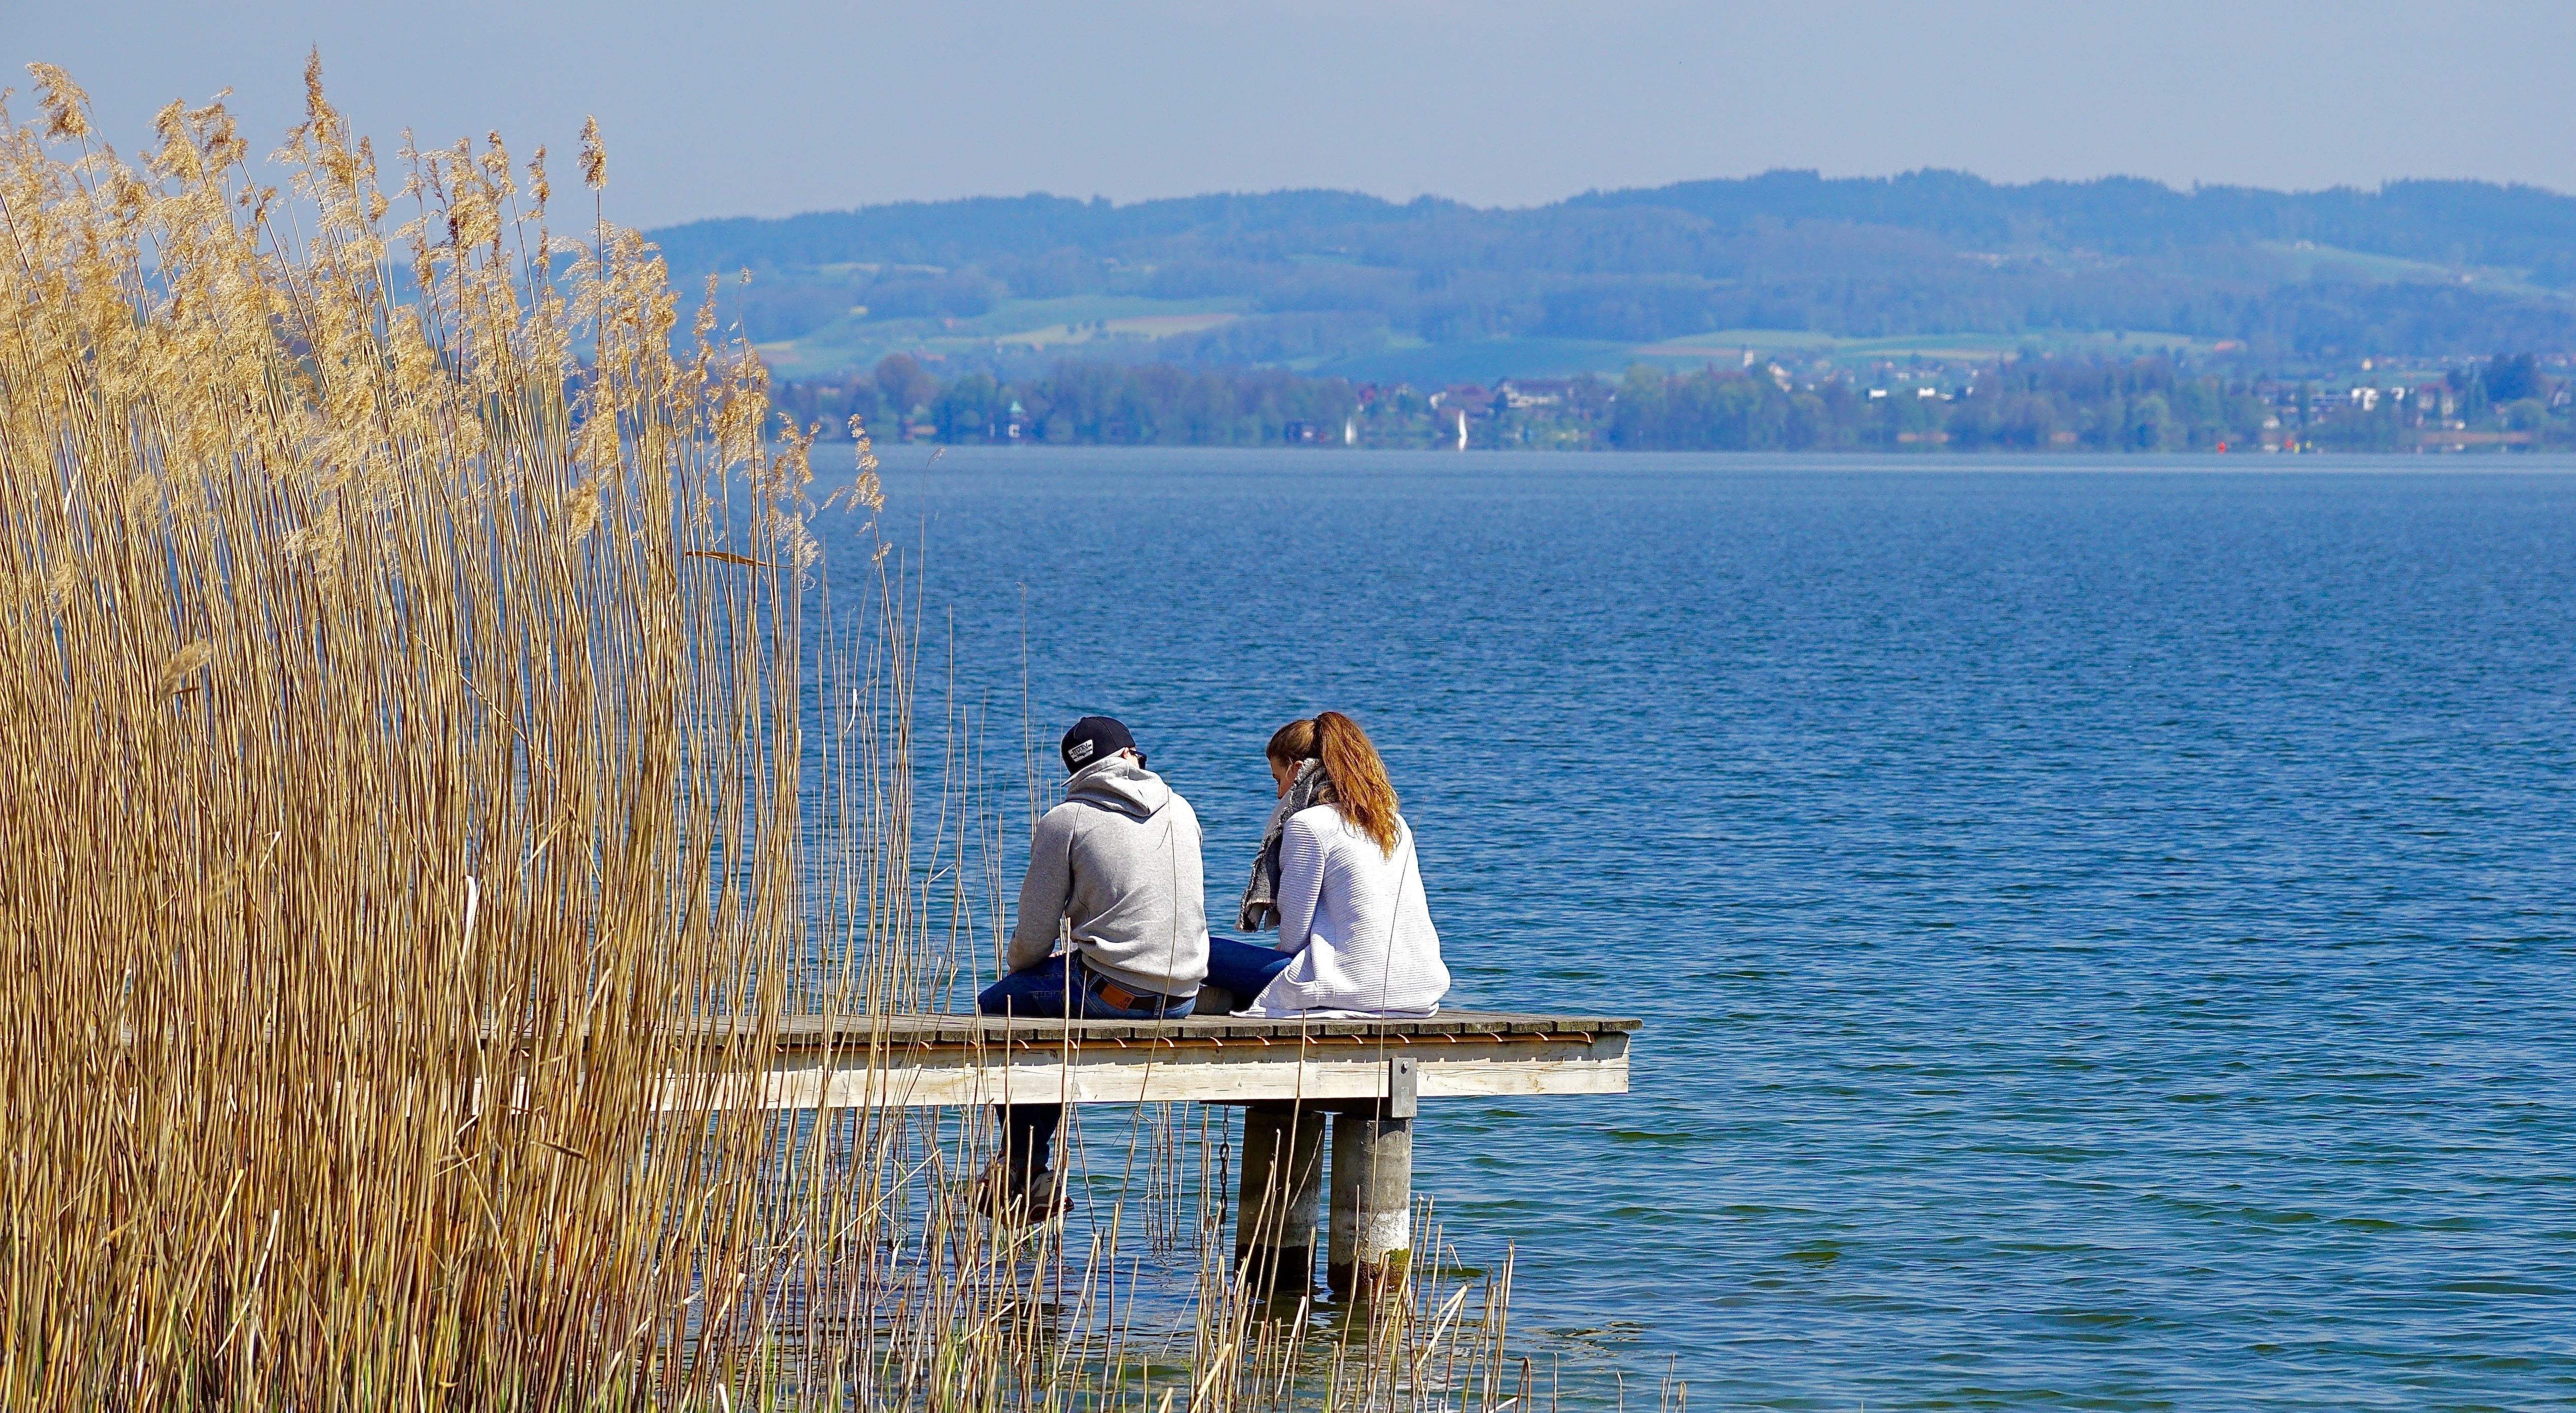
(1506, 207)
(805, 107)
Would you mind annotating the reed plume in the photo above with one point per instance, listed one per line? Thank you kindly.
(435, 776)
(401, 713)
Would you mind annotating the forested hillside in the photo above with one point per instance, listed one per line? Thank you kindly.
(1863, 269)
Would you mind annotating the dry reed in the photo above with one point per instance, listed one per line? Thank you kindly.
(434, 771)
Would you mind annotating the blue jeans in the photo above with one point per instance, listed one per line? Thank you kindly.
(1244, 967)
(1059, 988)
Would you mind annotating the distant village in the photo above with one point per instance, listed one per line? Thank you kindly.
(2154, 403)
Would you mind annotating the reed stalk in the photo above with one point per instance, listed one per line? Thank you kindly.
(435, 768)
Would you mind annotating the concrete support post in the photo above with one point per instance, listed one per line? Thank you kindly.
(1372, 1225)
(1281, 1186)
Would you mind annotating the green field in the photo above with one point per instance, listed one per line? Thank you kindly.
(1126, 326)
(1019, 325)
(1483, 361)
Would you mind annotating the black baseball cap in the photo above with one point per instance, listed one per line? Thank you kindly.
(1095, 738)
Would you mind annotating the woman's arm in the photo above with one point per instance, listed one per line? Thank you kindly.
(1301, 883)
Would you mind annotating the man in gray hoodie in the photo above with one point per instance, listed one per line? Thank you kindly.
(1115, 869)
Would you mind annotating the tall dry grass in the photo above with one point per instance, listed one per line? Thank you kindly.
(414, 828)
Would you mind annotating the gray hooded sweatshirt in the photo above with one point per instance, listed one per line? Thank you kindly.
(1120, 857)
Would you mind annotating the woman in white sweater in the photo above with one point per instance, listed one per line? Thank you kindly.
(1355, 933)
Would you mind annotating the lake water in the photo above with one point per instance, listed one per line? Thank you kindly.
(2106, 930)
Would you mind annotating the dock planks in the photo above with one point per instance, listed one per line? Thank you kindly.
(922, 1061)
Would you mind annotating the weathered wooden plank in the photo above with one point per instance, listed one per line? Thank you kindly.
(1169, 1067)
(807, 1032)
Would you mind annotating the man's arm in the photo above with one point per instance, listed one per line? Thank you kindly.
(1044, 891)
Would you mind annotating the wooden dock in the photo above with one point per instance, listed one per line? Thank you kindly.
(1366, 1078)
(917, 1061)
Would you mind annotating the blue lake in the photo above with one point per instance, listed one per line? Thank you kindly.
(2107, 930)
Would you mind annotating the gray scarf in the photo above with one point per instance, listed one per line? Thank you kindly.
(1310, 787)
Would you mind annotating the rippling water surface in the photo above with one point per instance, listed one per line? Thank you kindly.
(2106, 932)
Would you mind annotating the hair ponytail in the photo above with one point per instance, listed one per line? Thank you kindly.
(1366, 798)
(1293, 742)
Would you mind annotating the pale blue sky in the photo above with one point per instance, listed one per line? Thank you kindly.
(770, 109)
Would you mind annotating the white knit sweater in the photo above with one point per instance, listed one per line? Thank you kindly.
(1358, 922)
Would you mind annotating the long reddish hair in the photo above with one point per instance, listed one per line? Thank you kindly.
(1366, 798)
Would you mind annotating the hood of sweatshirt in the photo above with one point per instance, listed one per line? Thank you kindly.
(1120, 784)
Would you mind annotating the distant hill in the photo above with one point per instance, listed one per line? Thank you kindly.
(1859, 267)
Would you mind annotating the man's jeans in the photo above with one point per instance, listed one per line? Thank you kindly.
(1059, 988)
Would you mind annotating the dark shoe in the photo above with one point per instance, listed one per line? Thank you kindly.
(991, 1192)
(1045, 1200)
(1008, 1203)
